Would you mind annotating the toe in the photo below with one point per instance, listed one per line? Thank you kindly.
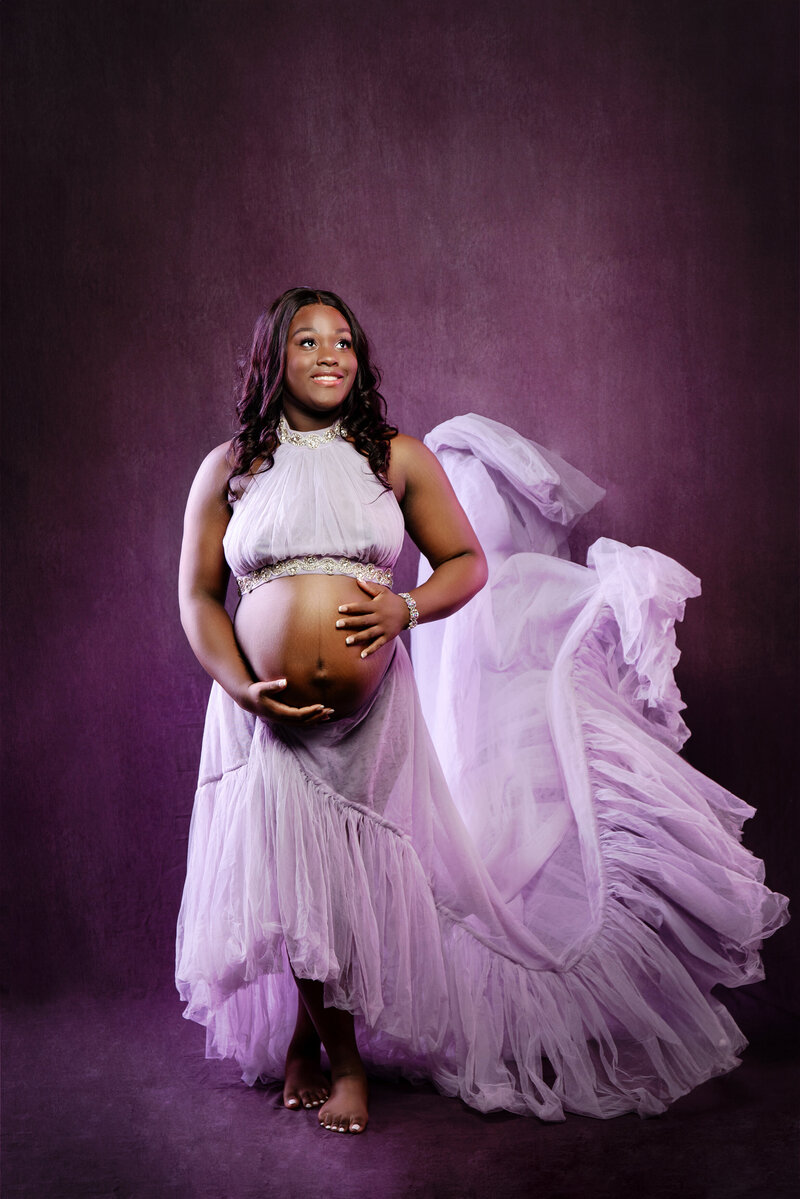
(292, 1101)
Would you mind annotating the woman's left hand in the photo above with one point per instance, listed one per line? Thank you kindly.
(376, 620)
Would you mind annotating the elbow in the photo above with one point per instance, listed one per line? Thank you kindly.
(187, 613)
(480, 571)
(483, 571)
(474, 578)
(186, 604)
(193, 603)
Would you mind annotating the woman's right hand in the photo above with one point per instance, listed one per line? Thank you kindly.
(257, 699)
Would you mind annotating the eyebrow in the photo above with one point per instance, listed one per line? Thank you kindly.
(309, 329)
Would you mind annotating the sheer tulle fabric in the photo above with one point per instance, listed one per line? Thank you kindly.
(323, 501)
(535, 916)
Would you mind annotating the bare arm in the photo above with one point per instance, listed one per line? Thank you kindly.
(202, 586)
(438, 526)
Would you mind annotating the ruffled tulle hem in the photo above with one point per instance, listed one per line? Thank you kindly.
(344, 899)
(554, 947)
(626, 1028)
(626, 1022)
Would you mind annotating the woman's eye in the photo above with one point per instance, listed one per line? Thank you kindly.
(344, 342)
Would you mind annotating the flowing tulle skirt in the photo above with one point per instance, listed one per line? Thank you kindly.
(534, 916)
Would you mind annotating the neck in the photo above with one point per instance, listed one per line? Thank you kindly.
(303, 421)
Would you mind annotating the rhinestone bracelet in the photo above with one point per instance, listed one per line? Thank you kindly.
(412, 609)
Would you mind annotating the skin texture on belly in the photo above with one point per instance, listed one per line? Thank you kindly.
(287, 629)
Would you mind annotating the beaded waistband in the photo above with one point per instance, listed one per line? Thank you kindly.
(313, 564)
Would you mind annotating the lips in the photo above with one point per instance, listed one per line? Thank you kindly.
(327, 380)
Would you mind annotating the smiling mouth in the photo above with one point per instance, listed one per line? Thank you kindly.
(327, 380)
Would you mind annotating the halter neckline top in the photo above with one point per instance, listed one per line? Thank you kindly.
(324, 503)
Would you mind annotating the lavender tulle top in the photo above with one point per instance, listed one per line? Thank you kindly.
(320, 498)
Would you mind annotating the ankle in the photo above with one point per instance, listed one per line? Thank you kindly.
(307, 1044)
(346, 1063)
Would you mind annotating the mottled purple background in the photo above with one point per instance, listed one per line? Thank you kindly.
(578, 218)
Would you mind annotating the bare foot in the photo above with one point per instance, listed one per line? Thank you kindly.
(346, 1110)
(305, 1085)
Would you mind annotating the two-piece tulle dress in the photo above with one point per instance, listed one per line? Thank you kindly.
(501, 865)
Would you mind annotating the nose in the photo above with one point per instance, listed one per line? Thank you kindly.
(327, 357)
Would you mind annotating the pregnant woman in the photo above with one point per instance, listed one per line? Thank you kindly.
(309, 508)
(551, 943)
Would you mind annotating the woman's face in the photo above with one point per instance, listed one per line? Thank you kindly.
(321, 366)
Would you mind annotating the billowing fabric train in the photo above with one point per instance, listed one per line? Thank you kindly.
(500, 864)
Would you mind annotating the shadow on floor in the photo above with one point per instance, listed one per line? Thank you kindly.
(116, 1099)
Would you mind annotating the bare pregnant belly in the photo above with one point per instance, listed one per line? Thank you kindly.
(287, 629)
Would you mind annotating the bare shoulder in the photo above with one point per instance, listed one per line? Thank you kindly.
(409, 456)
(218, 459)
(211, 480)
(412, 463)
(403, 446)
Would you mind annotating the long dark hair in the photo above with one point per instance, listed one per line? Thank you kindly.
(259, 396)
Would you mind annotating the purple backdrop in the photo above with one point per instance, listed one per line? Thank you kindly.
(576, 218)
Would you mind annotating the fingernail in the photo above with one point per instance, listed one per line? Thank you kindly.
(329, 711)
(349, 640)
(363, 653)
(340, 624)
(342, 608)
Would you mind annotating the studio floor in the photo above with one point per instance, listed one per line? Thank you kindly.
(109, 1099)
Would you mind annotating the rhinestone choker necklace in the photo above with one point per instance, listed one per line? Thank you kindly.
(310, 440)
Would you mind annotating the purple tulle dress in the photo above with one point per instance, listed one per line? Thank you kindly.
(525, 894)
